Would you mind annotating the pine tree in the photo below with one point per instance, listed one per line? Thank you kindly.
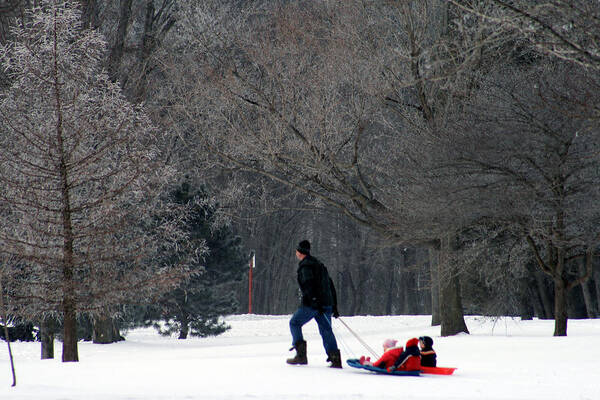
(195, 307)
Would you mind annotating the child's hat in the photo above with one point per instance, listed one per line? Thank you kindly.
(389, 343)
(427, 341)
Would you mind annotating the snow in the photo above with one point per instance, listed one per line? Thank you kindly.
(501, 359)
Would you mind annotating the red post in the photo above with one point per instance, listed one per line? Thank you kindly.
(251, 267)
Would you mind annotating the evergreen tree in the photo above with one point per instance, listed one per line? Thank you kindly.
(195, 306)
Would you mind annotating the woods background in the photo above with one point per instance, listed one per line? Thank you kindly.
(442, 157)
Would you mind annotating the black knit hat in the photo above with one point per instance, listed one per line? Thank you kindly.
(304, 247)
(427, 341)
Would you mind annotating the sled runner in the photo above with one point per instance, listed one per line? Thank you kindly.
(438, 370)
(353, 362)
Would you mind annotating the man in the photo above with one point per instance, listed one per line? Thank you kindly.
(319, 301)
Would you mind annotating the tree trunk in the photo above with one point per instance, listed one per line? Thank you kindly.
(268, 286)
(434, 262)
(596, 288)
(596, 277)
(526, 302)
(403, 290)
(451, 311)
(538, 308)
(403, 284)
(560, 308)
(411, 295)
(105, 331)
(590, 305)
(576, 304)
(47, 331)
(185, 326)
(183, 333)
(438, 20)
(6, 334)
(69, 303)
(116, 52)
(349, 291)
(423, 282)
(89, 14)
(544, 295)
(360, 291)
(69, 352)
(389, 301)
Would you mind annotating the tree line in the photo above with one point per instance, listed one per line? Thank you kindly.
(441, 156)
(465, 128)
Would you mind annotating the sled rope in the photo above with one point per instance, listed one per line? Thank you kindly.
(369, 349)
(345, 346)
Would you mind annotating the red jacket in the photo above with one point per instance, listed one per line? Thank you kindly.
(410, 359)
(412, 363)
(388, 358)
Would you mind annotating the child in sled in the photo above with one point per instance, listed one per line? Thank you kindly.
(390, 354)
(409, 359)
(428, 356)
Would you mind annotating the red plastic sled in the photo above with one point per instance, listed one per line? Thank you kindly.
(438, 370)
(353, 362)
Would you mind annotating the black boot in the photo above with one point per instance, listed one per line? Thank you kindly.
(300, 358)
(335, 358)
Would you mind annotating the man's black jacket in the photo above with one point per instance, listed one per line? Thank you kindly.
(316, 285)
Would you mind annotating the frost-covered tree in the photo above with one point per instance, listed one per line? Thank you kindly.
(564, 29)
(81, 177)
(331, 100)
(528, 156)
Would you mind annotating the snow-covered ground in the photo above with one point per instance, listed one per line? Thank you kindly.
(500, 359)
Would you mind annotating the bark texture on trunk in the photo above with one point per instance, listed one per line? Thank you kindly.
(47, 332)
(70, 352)
(434, 262)
(451, 311)
(185, 326)
(560, 308)
(105, 331)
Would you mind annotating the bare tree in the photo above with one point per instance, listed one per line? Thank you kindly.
(563, 29)
(279, 87)
(332, 100)
(428, 76)
(293, 92)
(135, 30)
(90, 14)
(531, 153)
(81, 177)
(9, 11)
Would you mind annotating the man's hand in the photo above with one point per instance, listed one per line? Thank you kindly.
(336, 313)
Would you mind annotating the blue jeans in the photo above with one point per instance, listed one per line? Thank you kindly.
(305, 314)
